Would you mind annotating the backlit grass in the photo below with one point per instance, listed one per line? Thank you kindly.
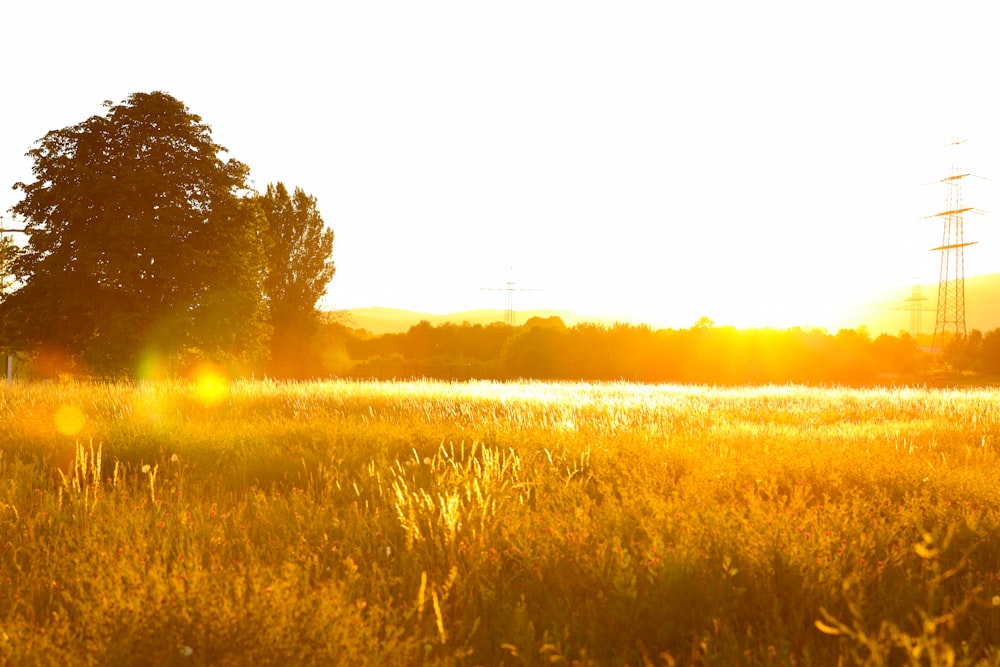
(232, 523)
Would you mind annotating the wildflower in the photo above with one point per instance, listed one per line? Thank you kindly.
(186, 651)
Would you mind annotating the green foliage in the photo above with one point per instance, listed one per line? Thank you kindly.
(501, 524)
(139, 242)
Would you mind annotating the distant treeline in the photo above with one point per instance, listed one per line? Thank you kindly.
(549, 350)
(977, 353)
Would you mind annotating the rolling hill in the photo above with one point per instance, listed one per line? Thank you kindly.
(888, 313)
(378, 320)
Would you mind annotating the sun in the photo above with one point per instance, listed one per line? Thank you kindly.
(211, 384)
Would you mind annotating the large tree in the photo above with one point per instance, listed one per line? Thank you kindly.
(298, 249)
(141, 242)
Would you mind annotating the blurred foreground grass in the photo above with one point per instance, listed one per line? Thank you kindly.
(497, 524)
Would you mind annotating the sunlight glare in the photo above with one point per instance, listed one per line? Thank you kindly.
(211, 384)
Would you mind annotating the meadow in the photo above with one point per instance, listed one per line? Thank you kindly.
(431, 523)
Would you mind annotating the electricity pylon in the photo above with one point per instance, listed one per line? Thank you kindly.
(509, 287)
(950, 320)
(915, 304)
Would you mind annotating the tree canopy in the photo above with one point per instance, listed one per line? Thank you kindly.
(140, 242)
(298, 247)
(298, 250)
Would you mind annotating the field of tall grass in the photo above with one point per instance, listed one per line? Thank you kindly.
(410, 523)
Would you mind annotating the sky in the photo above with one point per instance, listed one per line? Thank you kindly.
(761, 164)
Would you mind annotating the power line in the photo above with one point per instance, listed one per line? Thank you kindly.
(11, 230)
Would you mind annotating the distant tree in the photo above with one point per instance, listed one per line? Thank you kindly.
(965, 353)
(538, 350)
(8, 253)
(551, 322)
(140, 242)
(991, 352)
(896, 354)
(298, 248)
(419, 341)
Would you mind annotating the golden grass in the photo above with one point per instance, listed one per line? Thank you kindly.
(486, 523)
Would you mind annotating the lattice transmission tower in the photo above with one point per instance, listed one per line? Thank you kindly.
(950, 320)
(509, 287)
(915, 304)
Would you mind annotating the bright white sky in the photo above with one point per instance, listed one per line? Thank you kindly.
(761, 163)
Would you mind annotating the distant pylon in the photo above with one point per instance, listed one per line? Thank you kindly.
(915, 304)
(950, 320)
(509, 287)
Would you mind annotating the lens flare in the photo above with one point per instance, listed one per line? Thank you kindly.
(69, 420)
(152, 366)
(211, 384)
